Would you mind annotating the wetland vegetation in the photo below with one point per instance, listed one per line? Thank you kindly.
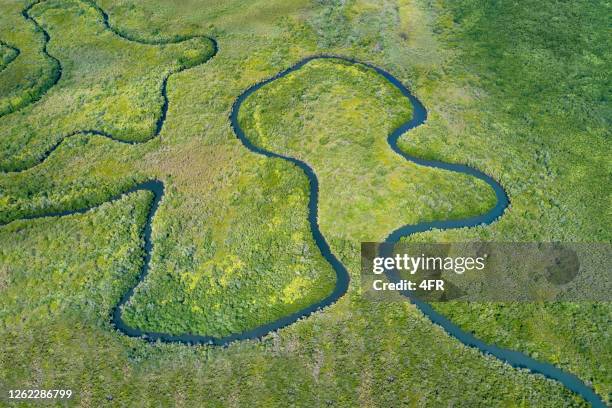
(518, 91)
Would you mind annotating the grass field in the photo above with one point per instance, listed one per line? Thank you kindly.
(7, 55)
(34, 72)
(336, 117)
(539, 89)
(109, 84)
(355, 353)
(519, 95)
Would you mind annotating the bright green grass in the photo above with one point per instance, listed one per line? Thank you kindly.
(335, 355)
(56, 301)
(30, 75)
(255, 262)
(7, 55)
(536, 93)
(108, 84)
(568, 335)
(336, 117)
(88, 288)
(105, 169)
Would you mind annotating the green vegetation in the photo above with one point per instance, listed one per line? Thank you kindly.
(87, 288)
(34, 72)
(103, 171)
(245, 270)
(336, 117)
(515, 90)
(556, 332)
(108, 84)
(537, 92)
(355, 354)
(7, 55)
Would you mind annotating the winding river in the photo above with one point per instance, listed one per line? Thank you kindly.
(514, 358)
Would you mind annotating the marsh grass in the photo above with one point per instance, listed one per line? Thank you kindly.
(533, 117)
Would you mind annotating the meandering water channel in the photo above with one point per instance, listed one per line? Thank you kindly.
(514, 358)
